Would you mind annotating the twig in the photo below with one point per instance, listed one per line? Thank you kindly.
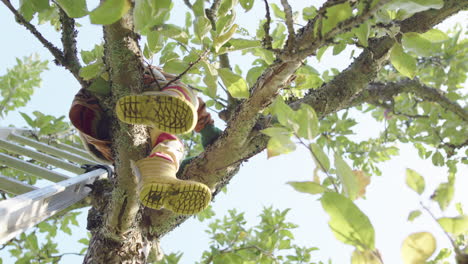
(266, 27)
(186, 70)
(457, 251)
(290, 24)
(57, 53)
(188, 4)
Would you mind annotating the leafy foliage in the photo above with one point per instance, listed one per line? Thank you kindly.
(17, 85)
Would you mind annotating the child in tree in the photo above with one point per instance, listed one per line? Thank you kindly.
(171, 107)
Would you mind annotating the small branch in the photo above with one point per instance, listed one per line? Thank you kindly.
(188, 4)
(290, 24)
(69, 34)
(57, 53)
(267, 40)
(186, 70)
(385, 91)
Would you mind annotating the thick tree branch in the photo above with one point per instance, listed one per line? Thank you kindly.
(241, 139)
(385, 91)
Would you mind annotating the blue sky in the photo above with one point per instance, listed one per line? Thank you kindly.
(261, 182)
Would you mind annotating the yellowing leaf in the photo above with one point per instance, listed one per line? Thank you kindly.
(307, 187)
(415, 181)
(347, 177)
(454, 225)
(279, 145)
(365, 257)
(363, 181)
(404, 63)
(235, 84)
(109, 11)
(418, 247)
(347, 222)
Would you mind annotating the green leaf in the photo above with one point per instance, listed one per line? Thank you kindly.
(201, 26)
(349, 181)
(444, 195)
(309, 12)
(176, 66)
(415, 181)
(414, 42)
(235, 84)
(347, 222)
(221, 39)
(109, 11)
(277, 11)
(28, 120)
(414, 6)
(148, 13)
(308, 122)
(438, 159)
(454, 225)
(92, 71)
(321, 51)
(174, 32)
(413, 215)
(335, 15)
(307, 187)
(362, 33)
(404, 63)
(74, 8)
(435, 36)
(100, 86)
(320, 157)
(418, 247)
(247, 4)
(239, 44)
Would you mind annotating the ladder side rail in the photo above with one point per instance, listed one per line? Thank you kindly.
(13, 186)
(50, 150)
(32, 169)
(40, 157)
(24, 211)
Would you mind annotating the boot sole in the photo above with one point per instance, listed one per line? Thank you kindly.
(183, 198)
(167, 113)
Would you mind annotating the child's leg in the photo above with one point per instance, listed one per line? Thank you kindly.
(159, 186)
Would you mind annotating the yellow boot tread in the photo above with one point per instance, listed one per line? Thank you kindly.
(167, 113)
(182, 197)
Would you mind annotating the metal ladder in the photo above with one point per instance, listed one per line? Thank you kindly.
(32, 205)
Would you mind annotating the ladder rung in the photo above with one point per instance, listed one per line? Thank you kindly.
(14, 186)
(40, 156)
(26, 210)
(32, 168)
(72, 149)
(49, 149)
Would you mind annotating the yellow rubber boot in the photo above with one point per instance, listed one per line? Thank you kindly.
(159, 186)
(172, 110)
